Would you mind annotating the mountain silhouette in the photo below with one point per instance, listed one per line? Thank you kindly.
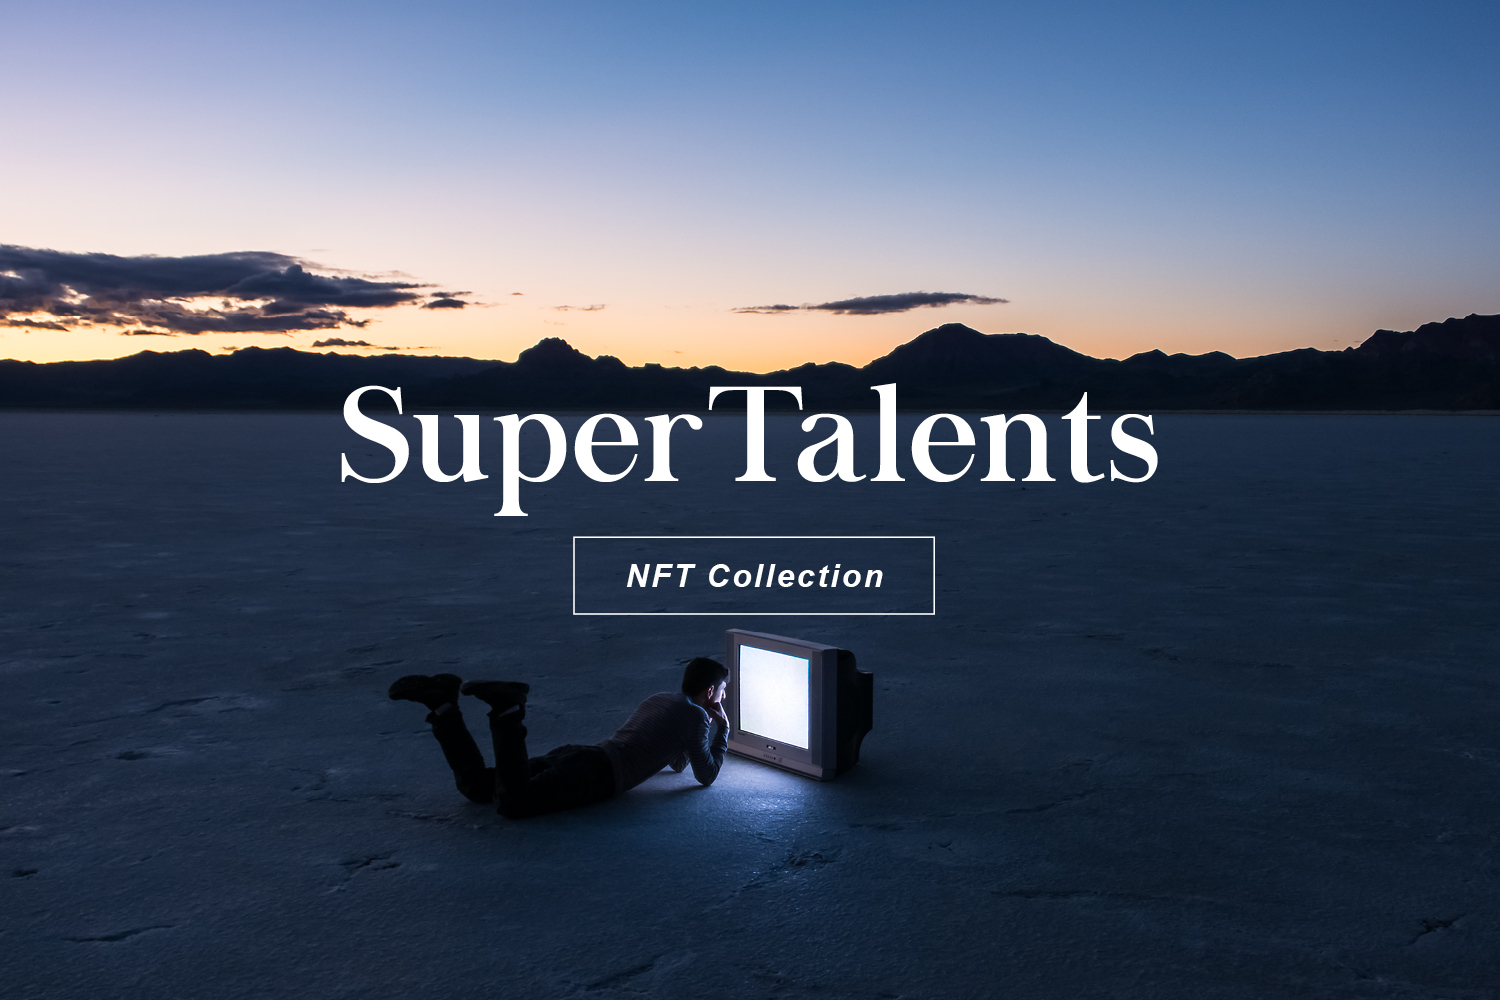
(248, 379)
(955, 355)
(1452, 365)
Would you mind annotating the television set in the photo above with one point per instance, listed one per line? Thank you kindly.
(796, 704)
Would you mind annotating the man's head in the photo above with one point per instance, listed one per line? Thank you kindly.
(704, 679)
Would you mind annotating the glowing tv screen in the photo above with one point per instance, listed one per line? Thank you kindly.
(796, 704)
(773, 695)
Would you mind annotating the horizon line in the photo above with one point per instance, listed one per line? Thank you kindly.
(398, 352)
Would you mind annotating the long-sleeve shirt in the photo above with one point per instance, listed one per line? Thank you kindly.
(666, 728)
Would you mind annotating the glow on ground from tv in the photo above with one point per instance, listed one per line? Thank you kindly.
(773, 695)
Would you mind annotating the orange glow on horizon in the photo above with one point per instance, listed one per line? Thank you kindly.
(695, 337)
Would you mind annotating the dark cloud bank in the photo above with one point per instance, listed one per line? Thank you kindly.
(250, 291)
(878, 305)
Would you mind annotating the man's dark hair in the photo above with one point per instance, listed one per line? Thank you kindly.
(702, 673)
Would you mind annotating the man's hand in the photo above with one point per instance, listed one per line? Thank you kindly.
(716, 704)
(711, 701)
(716, 712)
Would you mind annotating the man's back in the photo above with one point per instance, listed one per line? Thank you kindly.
(664, 727)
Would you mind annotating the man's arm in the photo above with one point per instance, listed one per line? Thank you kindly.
(707, 755)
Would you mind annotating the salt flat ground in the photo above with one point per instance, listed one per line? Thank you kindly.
(1228, 733)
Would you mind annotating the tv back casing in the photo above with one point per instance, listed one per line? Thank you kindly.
(840, 707)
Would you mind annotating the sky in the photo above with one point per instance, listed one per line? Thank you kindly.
(641, 179)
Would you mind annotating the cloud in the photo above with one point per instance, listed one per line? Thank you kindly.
(770, 310)
(879, 305)
(444, 302)
(341, 342)
(251, 291)
(582, 309)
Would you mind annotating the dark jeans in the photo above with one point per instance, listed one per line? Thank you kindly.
(563, 778)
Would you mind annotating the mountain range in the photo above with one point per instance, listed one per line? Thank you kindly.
(1452, 365)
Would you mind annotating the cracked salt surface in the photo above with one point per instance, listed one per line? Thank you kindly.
(1229, 733)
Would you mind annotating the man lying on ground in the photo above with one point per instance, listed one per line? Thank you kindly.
(667, 730)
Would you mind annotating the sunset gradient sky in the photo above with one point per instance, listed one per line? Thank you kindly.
(1191, 177)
